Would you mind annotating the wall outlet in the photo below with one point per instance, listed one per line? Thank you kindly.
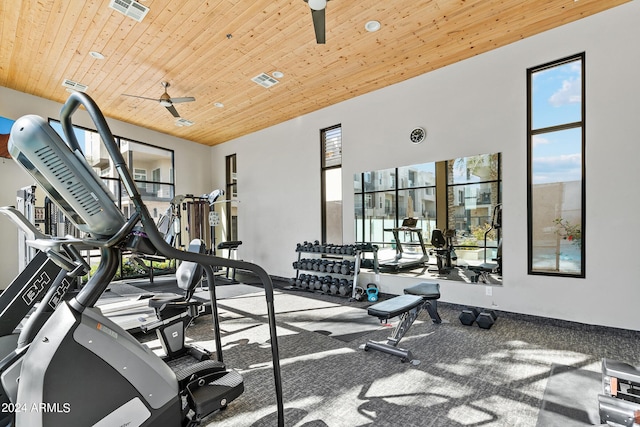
(488, 290)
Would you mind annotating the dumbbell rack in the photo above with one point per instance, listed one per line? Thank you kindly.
(330, 255)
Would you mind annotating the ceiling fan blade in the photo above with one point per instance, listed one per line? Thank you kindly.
(318, 25)
(173, 111)
(141, 97)
(183, 99)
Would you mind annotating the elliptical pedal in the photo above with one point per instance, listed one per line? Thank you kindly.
(208, 387)
(213, 392)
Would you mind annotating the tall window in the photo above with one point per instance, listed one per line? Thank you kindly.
(331, 139)
(232, 195)
(556, 167)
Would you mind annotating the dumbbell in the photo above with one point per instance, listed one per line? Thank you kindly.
(302, 281)
(468, 316)
(344, 288)
(486, 319)
(345, 268)
(334, 286)
(326, 282)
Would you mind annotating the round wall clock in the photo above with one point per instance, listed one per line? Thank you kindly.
(417, 135)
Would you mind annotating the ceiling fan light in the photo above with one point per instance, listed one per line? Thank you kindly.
(165, 103)
(317, 4)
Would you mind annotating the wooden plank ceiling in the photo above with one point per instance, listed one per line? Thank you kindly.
(212, 49)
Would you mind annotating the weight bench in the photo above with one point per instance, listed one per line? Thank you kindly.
(408, 306)
(482, 272)
(232, 247)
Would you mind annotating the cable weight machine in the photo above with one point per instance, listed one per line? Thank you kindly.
(202, 218)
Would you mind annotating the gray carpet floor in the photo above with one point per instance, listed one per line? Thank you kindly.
(467, 376)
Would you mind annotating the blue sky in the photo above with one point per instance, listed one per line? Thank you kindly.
(5, 125)
(557, 100)
(79, 135)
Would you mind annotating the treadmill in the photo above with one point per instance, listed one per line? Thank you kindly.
(406, 259)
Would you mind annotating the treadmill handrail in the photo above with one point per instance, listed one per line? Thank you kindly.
(73, 103)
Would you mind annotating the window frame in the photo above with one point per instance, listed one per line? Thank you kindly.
(531, 133)
(324, 170)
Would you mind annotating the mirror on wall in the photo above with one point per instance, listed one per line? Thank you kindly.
(437, 220)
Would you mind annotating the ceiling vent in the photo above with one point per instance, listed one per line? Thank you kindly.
(70, 84)
(265, 80)
(130, 8)
(183, 122)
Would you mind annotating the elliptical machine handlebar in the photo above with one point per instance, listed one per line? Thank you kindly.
(87, 294)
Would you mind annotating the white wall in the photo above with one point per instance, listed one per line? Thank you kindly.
(475, 106)
(472, 107)
(193, 169)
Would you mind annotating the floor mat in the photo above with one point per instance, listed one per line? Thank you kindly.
(570, 398)
(327, 318)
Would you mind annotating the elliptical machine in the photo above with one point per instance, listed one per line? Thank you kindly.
(82, 369)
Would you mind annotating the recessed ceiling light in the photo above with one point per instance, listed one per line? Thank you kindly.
(96, 55)
(372, 26)
(278, 74)
(218, 104)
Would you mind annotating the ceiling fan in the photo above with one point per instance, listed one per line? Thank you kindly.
(166, 101)
(317, 14)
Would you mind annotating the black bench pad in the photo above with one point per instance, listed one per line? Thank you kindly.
(427, 290)
(484, 267)
(231, 244)
(395, 306)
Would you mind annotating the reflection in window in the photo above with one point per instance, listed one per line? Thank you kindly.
(389, 196)
(556, 167)
(157, 190)
(152, 169)
(473, 191)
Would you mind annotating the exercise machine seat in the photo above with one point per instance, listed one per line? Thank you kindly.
(188, 275)
(437, 239)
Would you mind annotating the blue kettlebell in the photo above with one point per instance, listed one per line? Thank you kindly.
(372, 292)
